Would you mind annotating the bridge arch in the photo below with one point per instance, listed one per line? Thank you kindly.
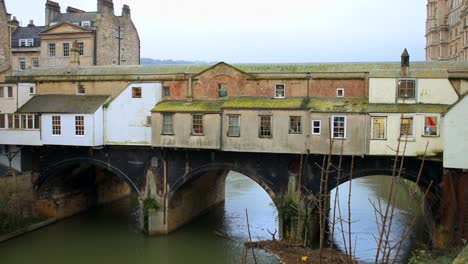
(198, 172)
(59, 166)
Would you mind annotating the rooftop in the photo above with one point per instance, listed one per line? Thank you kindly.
(55, 103)
(377, 69)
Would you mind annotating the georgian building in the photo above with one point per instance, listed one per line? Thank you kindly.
(103, 38)
(447, 30)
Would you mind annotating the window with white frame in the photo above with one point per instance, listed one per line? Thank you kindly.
(406, 126)
(280, 91)
(431, 125)
(197, 124)
(339, 127)
(167, 126)
(24, 119)
(81, 48)
(56, 125)
(295, 126)
(316, 127)
(35, 62)
(379, 127)
(52, 50)
(22, 64)
(340, 92)
(222, 90)
(407, 88)
(66, 49)
(265, 126)
(86, 23)
(234, 126)
(79, 125)
(26, 42)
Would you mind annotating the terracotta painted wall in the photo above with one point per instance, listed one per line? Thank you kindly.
(327, 88)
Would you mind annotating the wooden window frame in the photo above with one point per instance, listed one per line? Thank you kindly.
(233, 129)
(277, 85)
(402, 89)
(167, 128)
(319, 127)
(52, 50)
(265, 126)
(384, 129)
(136, 92)
(56, 125)
(79, 125)
(335, 128)
(197, 125)
(295, 126)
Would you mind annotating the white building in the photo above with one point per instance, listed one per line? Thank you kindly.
(128, 115)
(69, 120)
(456, 136)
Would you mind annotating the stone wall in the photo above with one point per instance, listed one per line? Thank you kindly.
(4, 36)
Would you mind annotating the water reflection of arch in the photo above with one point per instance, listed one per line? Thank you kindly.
(53, 169)
(198, 172)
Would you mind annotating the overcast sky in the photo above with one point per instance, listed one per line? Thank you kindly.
(265, 31)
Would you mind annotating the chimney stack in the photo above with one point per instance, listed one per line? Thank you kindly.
(52, 9)
(126, 11)
(405, 63)
(31, 23)
(103, 5)
(14, 23)
(74, 55)
(71, 9)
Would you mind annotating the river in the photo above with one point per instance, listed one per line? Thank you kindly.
(109, 233)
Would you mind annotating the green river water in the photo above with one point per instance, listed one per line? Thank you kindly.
(109, 233)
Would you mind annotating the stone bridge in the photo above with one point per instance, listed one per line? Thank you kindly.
(187, 183)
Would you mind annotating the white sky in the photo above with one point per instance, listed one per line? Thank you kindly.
(265, 31)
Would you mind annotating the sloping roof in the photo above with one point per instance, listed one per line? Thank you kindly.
(407, 108)
(338, 105)
(27, 32)
(184, 106)
(378, 69)
(266, 103)
(55, 103)
(74, 17)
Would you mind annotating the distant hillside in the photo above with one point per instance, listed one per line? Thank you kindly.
(149, 61)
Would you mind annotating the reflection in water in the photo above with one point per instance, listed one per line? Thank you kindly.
(364, 226)
(109, 234)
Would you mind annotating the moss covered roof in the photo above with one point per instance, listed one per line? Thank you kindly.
(266, 103)
(376, 69)
(407, 108)
(341, 105)
(186, 106)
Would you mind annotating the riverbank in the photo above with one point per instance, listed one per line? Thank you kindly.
(26, 229)
(288, 253)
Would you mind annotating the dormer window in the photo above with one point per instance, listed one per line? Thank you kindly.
(26, 42)
(86, 23)
(407, 88)
(340, 92)
(280, 91)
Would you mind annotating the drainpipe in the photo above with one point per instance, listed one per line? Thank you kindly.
(189, 88)
(221, 131)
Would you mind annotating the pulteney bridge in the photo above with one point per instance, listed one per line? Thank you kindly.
(187, 183)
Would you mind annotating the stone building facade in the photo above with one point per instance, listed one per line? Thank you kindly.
(447, 30)
(103, 38)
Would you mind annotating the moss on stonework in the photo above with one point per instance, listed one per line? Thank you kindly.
(266, 103)
(407, 108)
(357, 105)
(186, 106)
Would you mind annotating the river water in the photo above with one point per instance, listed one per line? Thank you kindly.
(109, 233)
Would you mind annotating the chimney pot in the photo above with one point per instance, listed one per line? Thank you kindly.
(31, 23)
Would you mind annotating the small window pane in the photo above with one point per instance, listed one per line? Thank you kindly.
(66, 49)
(234, 126)
(56, 125)
(316, 127)
(295, 125)
(279, 90)
(265, 126)
(378, 128)
(406, 88)
(431, 126)
(407, 126)
(222, 90)
(79, 125)
(52, 50)
(197, 124)
(136, 92)
(339, 127)
(167, 127)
